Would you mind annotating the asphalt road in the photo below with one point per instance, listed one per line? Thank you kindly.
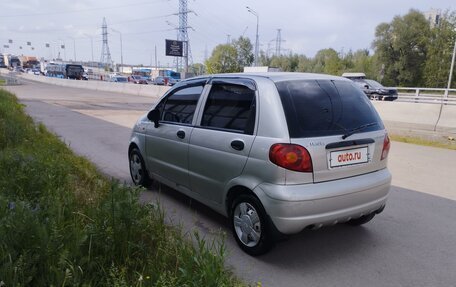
(412, 243)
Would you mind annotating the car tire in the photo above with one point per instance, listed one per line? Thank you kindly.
(361, 220)
(138, 172)
(374, 97)
(250, 225)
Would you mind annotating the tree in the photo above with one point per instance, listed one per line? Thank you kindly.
(304, 64)
(198, 69)
(440, 52)
(327, 61)
(401, 46)
(224, 59)
(244, 50)
(285, 63)
(361, 61)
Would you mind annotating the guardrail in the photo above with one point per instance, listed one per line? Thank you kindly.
(8, 80)
(427, 95)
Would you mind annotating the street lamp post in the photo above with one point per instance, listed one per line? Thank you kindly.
(91, 43)
(451, 68)
(177, 38)
(74, 48)
(121, 52)
(63, 47)
(257, 36)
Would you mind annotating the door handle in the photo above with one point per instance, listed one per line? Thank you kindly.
(181, 134)
(237, 145)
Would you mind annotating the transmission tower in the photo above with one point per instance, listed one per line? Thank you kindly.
(279, 43)
(105, 54)
(183, 34)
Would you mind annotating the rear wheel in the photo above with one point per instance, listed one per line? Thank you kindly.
(250, 226)
(361, 220)
(138, 170)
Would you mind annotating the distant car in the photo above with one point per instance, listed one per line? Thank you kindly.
(159, 80)
(171, 81)
(376, 91)
(119, 79)
(138, 80)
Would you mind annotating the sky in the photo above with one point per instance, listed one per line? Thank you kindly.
(306, 26)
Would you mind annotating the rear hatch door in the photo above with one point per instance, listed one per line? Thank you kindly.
(337, 124)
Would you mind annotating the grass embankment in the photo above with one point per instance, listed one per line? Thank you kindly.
(64, 224)
(441, 143)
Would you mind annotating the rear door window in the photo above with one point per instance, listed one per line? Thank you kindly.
(325, 107)
(230, 107)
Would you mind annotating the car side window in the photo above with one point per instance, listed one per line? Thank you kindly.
(230, 107)
(180, 106)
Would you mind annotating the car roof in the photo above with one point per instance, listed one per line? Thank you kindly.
(274, 76)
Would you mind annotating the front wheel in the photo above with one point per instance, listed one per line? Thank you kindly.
(138, 170)
(250, 225)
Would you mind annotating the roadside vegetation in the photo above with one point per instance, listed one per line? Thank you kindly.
(63, 224)
(407, 52)
(448, 143)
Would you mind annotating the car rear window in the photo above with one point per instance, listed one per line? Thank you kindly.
(325, 107)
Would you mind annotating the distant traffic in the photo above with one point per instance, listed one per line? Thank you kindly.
(79, 71)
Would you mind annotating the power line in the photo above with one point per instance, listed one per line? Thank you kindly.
(91, 25)
(81, 10)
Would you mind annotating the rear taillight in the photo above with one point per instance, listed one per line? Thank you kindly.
(291, 156)
(386, 147)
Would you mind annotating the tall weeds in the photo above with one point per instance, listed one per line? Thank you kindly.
(64, 224)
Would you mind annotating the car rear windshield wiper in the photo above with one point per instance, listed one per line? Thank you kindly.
(355, 130)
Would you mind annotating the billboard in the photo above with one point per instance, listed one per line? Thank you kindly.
(174, 48)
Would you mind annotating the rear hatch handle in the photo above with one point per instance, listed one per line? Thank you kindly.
(349, 143)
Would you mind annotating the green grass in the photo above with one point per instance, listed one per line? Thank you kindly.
(448, 144)
(63, 224)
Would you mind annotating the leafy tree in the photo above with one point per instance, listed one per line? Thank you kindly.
(244, 50)
(304, 64)
(224, 59)
(440, 52)
(285, 63)
(198, 69)
(327, 61)
(401, 46)
(264, 59)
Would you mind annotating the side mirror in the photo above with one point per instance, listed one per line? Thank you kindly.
(154, 116)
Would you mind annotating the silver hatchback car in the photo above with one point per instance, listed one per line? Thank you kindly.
(275, 152)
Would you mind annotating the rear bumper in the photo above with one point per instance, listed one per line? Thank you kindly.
(295, 207)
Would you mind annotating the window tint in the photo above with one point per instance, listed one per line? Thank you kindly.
(374, 84)
(230, 107)
(324, 107)
(180, 106)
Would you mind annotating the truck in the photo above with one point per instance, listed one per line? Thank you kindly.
(165, 73)
(29, 62)
(3, 64)
(14, 61)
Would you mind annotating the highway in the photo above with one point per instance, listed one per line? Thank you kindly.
(412, 243)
